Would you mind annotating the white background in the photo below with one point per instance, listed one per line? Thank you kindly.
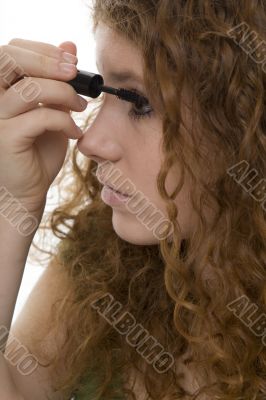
(49, 21)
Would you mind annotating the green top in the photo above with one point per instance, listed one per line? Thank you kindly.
(89, 388)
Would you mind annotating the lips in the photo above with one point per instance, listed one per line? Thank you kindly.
(117, 191)
(111, 187)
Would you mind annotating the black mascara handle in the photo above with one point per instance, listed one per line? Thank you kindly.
(87, 84)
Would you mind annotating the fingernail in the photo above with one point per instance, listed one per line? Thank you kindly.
(82, 101)
(67, 67)
(70, 58)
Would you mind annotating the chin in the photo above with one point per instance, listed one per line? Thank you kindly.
(133, 231)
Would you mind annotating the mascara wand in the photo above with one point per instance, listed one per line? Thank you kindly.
(92, 85)
(124, 94)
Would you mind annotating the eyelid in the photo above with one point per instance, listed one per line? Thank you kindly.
(135, 90)
(143, 100)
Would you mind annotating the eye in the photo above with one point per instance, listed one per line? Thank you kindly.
(142, 110)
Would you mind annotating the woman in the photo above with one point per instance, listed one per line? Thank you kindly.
(172, 311)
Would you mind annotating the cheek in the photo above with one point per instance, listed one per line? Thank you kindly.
(146, 155)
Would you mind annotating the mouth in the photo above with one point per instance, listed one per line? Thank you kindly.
(116, 191)
(112, 188)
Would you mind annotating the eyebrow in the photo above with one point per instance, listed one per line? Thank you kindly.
(124, 76)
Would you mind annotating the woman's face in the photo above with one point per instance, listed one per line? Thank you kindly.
(128, 151)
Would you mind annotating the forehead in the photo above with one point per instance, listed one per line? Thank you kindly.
(113, 50)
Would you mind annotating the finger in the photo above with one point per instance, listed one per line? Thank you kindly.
(69, 47)
(45, 49)
(15, 100)
(38, 47)
(35, 123)
(60, 108)
(16, 62)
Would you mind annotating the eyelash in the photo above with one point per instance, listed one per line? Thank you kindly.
(136, 115)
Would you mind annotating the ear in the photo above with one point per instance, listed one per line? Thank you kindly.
(69, 47)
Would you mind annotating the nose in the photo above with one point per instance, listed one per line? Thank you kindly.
(101, 141)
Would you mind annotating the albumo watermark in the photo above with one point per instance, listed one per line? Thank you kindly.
(27, 88)
(146, 212)
(136, 335)
(17, 215)
(26, 363)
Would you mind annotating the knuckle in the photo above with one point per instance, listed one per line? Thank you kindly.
(44, 62)
(28, 84)
(22, 82)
